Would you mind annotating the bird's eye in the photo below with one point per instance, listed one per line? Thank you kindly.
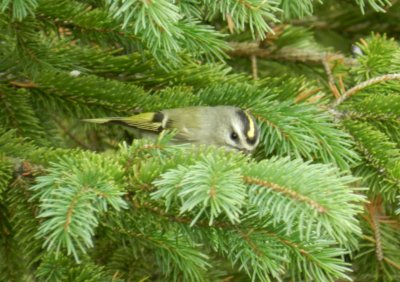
(234, 136)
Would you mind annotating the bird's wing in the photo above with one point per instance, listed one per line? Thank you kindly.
(156, 122)
(186, 121)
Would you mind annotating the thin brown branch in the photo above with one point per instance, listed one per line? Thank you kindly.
(289, 243)
(331, 79)
(253, 246)
(378, 240)
(392, 263)
(117, 276)
(365, 84)
(248, 50)
(341, 83)
(286, 54)
(24, 84)
(148, 147)
(247, 5)
(71, 207)
(231, 24)
(286, 191)
(254, 68)
(122, 230)
(305, 94)
(373, 210)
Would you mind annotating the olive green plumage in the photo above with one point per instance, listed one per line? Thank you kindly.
(224, 126)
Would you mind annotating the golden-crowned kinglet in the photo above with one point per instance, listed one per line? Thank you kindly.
(224, 126)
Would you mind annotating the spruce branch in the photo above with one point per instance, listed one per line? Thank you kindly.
(377, 148)
(70, 203)
(175, 255)
(272, 193)
(302, 251)
(6, 169)
(377, 5)
(20, 9)
(13, 145)
(59, 268)
(294, 9)
(376, 107)
(377, 179)
(70, 134)
(18, 247)
(316, 259)
(88, 90)
(242, 14)
(24, 213)
(265, 186)
(379, 57)
(205, 186)
(159, 28)
(248, 249)
(379, 243)
(285, 191)
(52, 187)
(152, 210)
(17, 113)
(310, 257)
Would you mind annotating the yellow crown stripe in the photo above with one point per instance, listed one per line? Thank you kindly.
(252, 128)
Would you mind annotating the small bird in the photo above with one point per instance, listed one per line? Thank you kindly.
(222, 126)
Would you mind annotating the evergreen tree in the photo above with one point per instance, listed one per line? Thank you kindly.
(318, 201)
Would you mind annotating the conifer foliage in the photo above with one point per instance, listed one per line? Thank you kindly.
(319, 200)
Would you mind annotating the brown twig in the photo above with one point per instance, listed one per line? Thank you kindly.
(378, 240)
(373, 210)
(246, 237)
(341, 83)
(365, 84)
(254, 68)
(289, 54)
(231, 24)
(24, 84)
(331, 79)
(248, 49)
(305, 94)
(392, 263)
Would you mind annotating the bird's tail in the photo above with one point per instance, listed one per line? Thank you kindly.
(104, 120)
